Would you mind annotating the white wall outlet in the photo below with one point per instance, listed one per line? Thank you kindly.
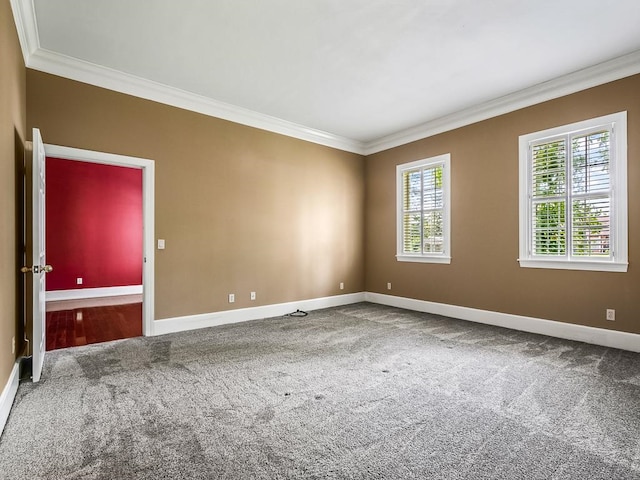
(253, 295)
(232, 298)
(341, 285)
(160, 244)
(79, 281)
(13, 344)
(389, 286)
(611, 314)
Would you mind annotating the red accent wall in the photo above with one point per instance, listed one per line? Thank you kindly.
(94, 225)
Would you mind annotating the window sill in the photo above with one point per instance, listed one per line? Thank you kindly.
(575, 265)
(424, 259)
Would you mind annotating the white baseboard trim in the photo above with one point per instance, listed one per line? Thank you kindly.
(193, 322)
(8, 395)
(80, 293)
(552, 328)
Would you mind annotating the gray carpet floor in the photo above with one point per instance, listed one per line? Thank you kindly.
(355, 392)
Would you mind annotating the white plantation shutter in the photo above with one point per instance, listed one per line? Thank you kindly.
(412, 211)
(432, 209)
(423, 209)
(591, 195)
(548, 202)
(591, 236)
(575, 201)
(577, 177)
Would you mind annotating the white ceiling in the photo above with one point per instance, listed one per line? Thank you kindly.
(352, 71)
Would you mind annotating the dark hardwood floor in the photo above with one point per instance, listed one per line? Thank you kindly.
(82, 326)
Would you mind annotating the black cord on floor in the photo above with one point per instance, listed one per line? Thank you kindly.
(297, 313)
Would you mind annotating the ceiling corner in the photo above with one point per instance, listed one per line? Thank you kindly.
(602, 73)
(54, 63)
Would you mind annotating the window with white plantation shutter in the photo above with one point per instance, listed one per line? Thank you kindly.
(424, 210)
(573, 196)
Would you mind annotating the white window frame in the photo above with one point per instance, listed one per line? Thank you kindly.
(431, 257)
(618, 262)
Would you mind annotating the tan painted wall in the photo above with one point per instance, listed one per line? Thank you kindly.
(241, 209)
(12, 135)
(484, 273)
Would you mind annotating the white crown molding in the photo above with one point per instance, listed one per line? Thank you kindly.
(25, 19)
(74, 69)
(46, 61)
(551, 328)
(609, 71)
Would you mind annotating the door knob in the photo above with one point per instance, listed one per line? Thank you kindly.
(37, 269)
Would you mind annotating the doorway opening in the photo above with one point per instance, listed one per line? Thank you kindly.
(94, 239)
(104, 287)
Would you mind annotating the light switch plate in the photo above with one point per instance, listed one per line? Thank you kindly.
(160, 244)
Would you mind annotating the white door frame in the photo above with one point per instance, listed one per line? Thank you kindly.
(148, 216)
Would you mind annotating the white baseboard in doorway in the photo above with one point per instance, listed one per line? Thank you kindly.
(8, 395)
(193, 322)
(80, 293)
(59, 305)
(552, 328)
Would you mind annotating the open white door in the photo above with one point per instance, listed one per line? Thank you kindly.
(39, 267)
